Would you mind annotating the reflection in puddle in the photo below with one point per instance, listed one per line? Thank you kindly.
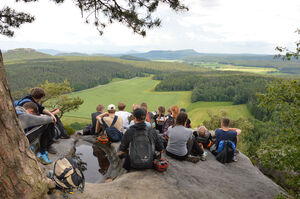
(92, 160)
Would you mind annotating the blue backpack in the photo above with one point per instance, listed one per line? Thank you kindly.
(112, 132)
(226, 150)
(22, 101)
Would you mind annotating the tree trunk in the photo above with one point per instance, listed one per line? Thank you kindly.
(20, 174)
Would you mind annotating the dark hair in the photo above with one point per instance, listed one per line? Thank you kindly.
(144, 106)
(139, 114)
(37, 92)
(121, 106)
(161, 109)
(181, 118)
(31, 105)
(182, 110)
(111, 111)
(99, 108)
(225, 122)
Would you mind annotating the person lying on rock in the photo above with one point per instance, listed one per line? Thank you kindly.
(227, 133)
(111, 123)
(139, 143)
(181, 143)
(29, 119)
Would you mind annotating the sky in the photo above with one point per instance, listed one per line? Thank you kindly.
(210, 26)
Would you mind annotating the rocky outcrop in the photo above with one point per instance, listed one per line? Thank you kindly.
(206, 179)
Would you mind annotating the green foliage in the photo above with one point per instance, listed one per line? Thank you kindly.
(282, 148)
(214, 86)
(137, 15)
(56, 98)
(77, 126)
(288, 53)
(244, 124)
(69, 129)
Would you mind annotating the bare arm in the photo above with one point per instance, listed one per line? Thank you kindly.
(50, 114)
(238, 131)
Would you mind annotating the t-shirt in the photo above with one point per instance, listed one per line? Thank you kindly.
(124, 115)
(159, 122)
(225, 135)
(109, 119)
(178, 137)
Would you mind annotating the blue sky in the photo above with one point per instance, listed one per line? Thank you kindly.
(210, 26)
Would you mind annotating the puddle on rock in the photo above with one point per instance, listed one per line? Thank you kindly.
(92, 160)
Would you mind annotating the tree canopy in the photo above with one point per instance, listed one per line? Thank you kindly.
(135, 14)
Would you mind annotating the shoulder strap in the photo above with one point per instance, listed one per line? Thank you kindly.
(103, 122)
(148, 117)
(23, 101)
(114, 121)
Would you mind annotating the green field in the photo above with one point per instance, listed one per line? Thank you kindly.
(139, 90)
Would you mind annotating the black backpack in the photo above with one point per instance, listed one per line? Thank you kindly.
(112, 132)
(141, 150)
(226, 155)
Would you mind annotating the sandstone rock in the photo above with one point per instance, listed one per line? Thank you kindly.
(208, 179)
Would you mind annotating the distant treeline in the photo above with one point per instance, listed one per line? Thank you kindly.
(240, 88)
(290, 67)
(82, 74)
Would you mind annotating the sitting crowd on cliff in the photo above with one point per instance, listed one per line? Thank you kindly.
(143, 135)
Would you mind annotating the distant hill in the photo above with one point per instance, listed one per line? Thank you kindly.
(23, 53)
(74, 54)
(129, 57)
(50, 51)
(166, 54)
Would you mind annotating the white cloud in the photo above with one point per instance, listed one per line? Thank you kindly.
(230, 26)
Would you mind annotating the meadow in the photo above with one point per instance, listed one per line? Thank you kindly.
(139, 90)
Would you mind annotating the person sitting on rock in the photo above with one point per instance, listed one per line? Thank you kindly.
(108, 118)
(29, 119)
(131, 117)
(124, 115)
(181, 144)
(203, 137)
(99, 110)
(226, 133)
(170, 121)
(159, 118)
(36, 96)
(149, 116)
(138, 140)
(188, 122)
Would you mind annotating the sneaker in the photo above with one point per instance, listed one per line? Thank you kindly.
(193, 159)
(202, 157)
(52, 150)
(234, 159)
(43, 158)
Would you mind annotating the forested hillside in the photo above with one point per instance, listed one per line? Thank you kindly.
(23, 53)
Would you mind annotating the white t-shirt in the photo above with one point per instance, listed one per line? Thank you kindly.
(124, 115)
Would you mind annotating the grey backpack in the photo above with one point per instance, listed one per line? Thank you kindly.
(141, 150)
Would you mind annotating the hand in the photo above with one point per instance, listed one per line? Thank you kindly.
(55, 111)
(53, 118)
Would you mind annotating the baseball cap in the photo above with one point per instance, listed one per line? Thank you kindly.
(139, 114)
(111, 107)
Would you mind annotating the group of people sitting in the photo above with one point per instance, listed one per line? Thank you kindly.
(41, 126)
(171, 132)
(143, 135)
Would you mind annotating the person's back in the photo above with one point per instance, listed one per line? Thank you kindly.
(99, 109)
(134, 137)
(178, 137)
(124, 115)
(225, 135)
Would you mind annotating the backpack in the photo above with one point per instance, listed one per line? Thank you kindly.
(141, 150)
(112, 132)
(67, 175)
(18, 102)
(87, 130)
(225, 151)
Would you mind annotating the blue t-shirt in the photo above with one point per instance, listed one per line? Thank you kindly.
(225, 135)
